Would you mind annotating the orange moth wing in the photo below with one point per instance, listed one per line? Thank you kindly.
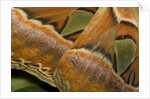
(36, 42)
(105, 56)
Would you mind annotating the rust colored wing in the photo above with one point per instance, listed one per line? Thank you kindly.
(105, 56)
(37, 41)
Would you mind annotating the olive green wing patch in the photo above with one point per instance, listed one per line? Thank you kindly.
(77, 21)
(131, 78)
(125, 53)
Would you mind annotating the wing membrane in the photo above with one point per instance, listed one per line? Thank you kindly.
(90, 63)
(36, 44)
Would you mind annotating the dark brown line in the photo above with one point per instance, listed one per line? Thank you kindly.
(122, 37)
(88, 9)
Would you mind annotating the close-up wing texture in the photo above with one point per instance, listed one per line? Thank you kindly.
(78, 49)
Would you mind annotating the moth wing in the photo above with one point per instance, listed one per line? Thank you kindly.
(88, 65)
(36, 41)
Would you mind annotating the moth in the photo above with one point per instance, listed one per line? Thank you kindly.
(78, 49)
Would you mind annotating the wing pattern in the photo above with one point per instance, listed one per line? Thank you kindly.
(78, 49)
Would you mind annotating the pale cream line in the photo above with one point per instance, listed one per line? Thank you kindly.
(39, 23)
(119, 18)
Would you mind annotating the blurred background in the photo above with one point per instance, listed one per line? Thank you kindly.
(22, 81)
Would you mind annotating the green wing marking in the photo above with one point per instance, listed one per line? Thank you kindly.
(77, 21)
(125, 53)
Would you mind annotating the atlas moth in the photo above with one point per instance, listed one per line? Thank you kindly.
(78, 49)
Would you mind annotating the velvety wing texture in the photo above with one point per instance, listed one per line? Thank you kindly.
(105, 56)
(78, 49)
(36, 40)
